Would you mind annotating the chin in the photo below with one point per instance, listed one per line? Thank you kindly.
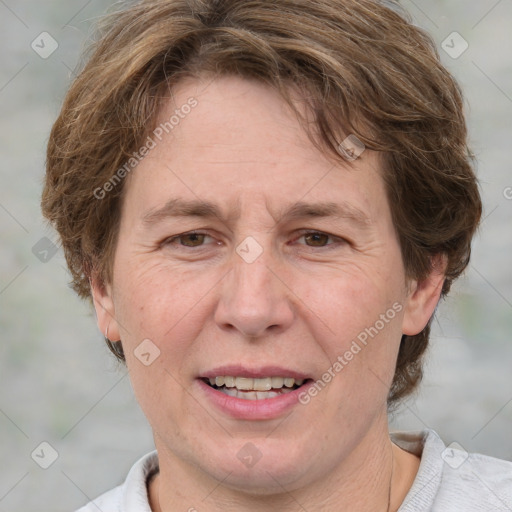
(261, 466)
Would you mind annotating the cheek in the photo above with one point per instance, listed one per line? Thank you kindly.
(354, 300)
(153, 295)
(363, 312)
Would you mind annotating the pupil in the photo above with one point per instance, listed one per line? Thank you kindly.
(192, 236)
(316, 235)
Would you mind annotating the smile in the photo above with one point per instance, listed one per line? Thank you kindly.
(248, 388)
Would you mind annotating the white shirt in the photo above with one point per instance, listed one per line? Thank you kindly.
(448, 480)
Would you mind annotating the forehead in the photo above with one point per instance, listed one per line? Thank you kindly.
(233, 141)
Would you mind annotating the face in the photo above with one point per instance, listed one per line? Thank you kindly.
(245, 255)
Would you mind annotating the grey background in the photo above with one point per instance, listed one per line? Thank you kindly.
(58, 383)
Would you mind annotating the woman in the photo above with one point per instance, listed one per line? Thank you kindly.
(265, 202)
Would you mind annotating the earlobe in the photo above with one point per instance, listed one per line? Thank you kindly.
(423, 298)
(105, 308)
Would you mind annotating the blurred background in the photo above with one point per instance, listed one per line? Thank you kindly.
(60, 386)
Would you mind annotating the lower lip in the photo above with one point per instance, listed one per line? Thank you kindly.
(241, 409)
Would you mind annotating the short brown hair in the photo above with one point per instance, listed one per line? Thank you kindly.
(364, 68)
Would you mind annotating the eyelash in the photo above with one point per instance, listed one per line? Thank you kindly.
(169, 241)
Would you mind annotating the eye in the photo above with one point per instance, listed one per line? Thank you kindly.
(320, 239)
(196, 239)
(192, 239)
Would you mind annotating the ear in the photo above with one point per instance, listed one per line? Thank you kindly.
(423, 297)
(105, 310)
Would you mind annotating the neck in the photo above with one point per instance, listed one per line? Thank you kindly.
(375, 477)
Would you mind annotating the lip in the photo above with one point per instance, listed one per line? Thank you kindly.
(239, 370)
(238, 408)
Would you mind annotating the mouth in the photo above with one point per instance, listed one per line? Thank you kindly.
(253, 393)
(248, 388)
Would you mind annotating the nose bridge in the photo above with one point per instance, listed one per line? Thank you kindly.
(252, 298)
(251, 270)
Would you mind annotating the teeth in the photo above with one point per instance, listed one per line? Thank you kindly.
(253, 395)
(249, 384)
(277, 382)
(244, 383)
(229, 382)
(288, 382)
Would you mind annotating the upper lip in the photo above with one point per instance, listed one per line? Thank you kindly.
(239, 370)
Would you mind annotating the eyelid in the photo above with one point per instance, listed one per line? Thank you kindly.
(186, 233)
(337, 239)
(301, 233)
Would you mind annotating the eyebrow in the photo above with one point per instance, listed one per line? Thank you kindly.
(203, 209)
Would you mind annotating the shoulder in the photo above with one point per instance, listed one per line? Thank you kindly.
(451, 479)
(110, 501)
(475, 482)
(132, 494)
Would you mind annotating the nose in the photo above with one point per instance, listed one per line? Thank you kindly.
(254, 298)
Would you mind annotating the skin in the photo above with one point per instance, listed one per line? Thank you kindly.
(299, 305)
